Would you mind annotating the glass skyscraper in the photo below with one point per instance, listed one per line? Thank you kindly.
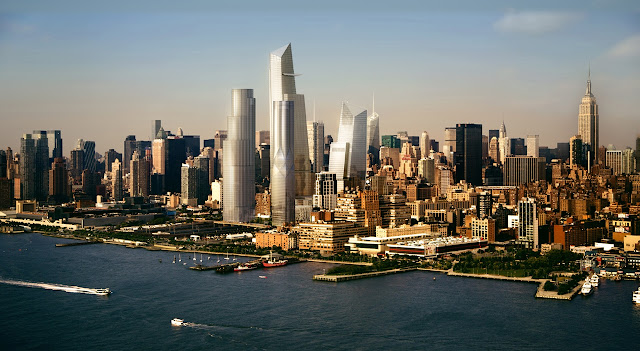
(239, 158)
(348, 156)
(282, 87)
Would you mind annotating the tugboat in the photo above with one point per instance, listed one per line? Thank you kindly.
(274, 262)
(176, 322)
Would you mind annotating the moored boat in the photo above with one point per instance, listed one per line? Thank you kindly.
(636, 296)
(245, 267)
(273, 261)
(587, 288)
(595, 281)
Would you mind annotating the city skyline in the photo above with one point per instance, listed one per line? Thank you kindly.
(520, 65)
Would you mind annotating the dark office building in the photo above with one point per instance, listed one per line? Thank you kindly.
(77, 163)
(3, 164)
(517, 147)
(435, 145)
(562, 151)
(129, 148)
(391, 141)
(468, 155)
(210, 143)
(89, 161)
(58, 182)
(109, 157)
(494, 133)
(192, 145)
(176, 155)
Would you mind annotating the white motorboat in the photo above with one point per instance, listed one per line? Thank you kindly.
(177, 322)
(595, 280)
(636, 296)
(105, 291)
(587, 288)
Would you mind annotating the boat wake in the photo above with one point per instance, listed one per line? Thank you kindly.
(58, 287)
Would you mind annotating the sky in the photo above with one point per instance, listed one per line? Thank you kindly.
(104, 71)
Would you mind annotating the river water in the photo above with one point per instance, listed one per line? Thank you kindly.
(286, 310)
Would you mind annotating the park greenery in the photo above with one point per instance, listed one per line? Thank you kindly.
(518, 263)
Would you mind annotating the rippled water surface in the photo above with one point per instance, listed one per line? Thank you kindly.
(285, 311)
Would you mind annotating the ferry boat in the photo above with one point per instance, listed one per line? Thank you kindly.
(587, 288)
(274, 262)
(595, 281)
(105, 291)
(245, 267)
(636, 296)
(177, 322)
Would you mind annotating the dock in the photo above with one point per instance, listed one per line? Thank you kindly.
(343, 278)
(542, 294)
(77, 243)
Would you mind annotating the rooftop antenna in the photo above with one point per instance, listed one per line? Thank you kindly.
(374, 104)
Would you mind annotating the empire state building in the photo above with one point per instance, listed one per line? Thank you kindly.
(589, 122)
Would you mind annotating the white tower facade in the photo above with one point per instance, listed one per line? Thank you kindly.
(350, 157)
(533, 145)
(239, 158)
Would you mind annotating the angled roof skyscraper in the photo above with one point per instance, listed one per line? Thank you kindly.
(282, 87)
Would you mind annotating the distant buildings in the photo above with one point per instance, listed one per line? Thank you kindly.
(326, 194)
(533, 145)
(520, 170)
(528, 223)
(315, 133)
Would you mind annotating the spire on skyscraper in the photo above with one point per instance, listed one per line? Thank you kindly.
(589, 82)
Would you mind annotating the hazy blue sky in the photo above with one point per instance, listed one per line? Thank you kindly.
(101, 72)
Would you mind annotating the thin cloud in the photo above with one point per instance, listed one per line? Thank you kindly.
(627, 48)
(535, 22)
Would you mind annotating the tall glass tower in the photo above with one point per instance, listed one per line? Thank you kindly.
(350, 157)
(282, 170)
(239, 158)
(282, 87)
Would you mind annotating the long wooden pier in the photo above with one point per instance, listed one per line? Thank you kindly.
(342, 278)
(77, 243)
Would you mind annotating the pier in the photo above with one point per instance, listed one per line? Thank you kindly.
(542, 294)
(77, 243)
(343, 278)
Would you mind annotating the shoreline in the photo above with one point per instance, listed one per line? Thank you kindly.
(540, 293)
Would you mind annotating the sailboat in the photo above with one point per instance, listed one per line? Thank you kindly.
(234, 257)
(200, 258)
(174, 258)
(218, 258)
(179, 258)
(226, 258)
(194, 256)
